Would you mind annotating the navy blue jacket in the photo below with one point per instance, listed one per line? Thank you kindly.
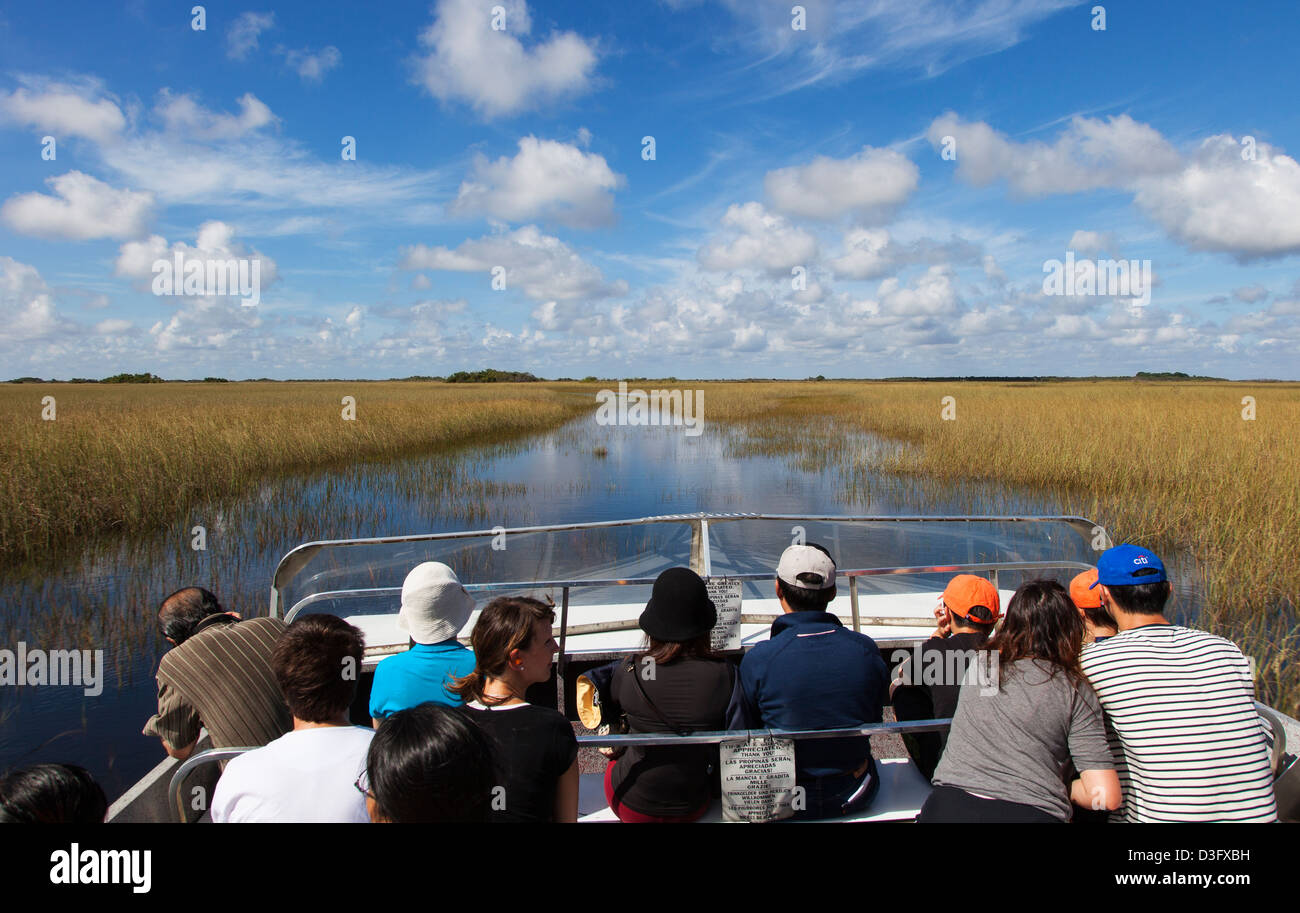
(814, 673)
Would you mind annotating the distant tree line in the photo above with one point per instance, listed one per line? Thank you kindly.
(490, 376)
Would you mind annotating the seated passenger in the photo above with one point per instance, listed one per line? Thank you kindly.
(813, 673)
(927, 682)
(51, 794)
(428, 765)
(1180, 706)
(308, 774)
(1025, 713)
(537, 754)
(434, 609)
(1097, 622)
(216, 676)
(677, 685)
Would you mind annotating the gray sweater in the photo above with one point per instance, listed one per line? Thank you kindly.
(1015, 741)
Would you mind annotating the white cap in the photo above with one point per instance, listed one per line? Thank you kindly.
(434, 604)
(804, 559)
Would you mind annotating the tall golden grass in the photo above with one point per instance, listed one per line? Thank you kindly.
(1163, 464)
(132, 457)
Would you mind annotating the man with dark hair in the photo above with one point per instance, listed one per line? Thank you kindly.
(927, 682)
(311, 773)
(218, 675)
(1179, 703)
(813, 673)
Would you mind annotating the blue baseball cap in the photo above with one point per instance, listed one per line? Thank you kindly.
(1129, 565)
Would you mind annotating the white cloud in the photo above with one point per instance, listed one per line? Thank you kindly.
(865, 254)
(27, 311)
(1250, 294)
(63, 109)
(241, 37)
(843, 38)
(753, 238)
(113, 326)
(544, 180)
(869, 185)
(1091, 242)
(1223, 202)
(491, 70)
(215, 242)
(544, 267)
(83, 208)
(183, 115)
(1089, 154)
(312, 67)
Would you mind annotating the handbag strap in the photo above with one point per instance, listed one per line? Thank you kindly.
(654, 708)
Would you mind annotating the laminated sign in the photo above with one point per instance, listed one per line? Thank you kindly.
(757, 779)
(725, 593)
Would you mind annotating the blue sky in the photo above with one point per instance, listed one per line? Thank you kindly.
(799, 215)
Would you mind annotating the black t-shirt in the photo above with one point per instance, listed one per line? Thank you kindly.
(692, 695)
(535, 746)
(933, 693)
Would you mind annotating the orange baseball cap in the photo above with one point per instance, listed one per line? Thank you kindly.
(965, 591)
(1082, 592)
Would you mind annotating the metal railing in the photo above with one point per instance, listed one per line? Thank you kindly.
(647, 739)
(298, 558)
(651, 739)
(208, 756)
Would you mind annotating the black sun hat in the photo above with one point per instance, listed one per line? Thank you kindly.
(679, 608)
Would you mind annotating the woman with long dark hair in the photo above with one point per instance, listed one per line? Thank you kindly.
(1026, 712)
(676, 685)
(537, 753)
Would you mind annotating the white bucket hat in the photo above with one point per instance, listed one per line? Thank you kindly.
(434, 604)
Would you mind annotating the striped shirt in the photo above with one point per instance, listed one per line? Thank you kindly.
(1181, 720)
(221, 679)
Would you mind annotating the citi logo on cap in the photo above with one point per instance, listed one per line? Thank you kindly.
(1129, 565)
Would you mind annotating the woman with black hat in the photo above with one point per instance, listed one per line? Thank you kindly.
(677, 685)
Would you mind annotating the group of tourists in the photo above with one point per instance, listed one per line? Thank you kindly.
(1075, 703)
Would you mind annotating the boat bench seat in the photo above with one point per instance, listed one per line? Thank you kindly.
(902, 792)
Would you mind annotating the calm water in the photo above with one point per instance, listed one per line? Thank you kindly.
(106, 598)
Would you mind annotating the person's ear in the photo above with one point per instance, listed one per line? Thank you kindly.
(514, 660)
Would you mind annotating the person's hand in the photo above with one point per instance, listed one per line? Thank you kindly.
(606, 751)
(941, 618)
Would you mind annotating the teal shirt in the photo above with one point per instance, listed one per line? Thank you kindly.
(418, 676)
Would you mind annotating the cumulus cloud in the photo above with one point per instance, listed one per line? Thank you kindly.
(312, 67)
(241, 37)
(753, 238)
(27, 311)
(869, 186)
(466, 60)
(1250, 294)
(215, 243)
(544, 267)
(1223, 201)
(870, 253)
(1091, 242)
(82, 208)
(1089, 154)
(63, 109)
(544, 180)
(1227, 196)
(184, 115)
